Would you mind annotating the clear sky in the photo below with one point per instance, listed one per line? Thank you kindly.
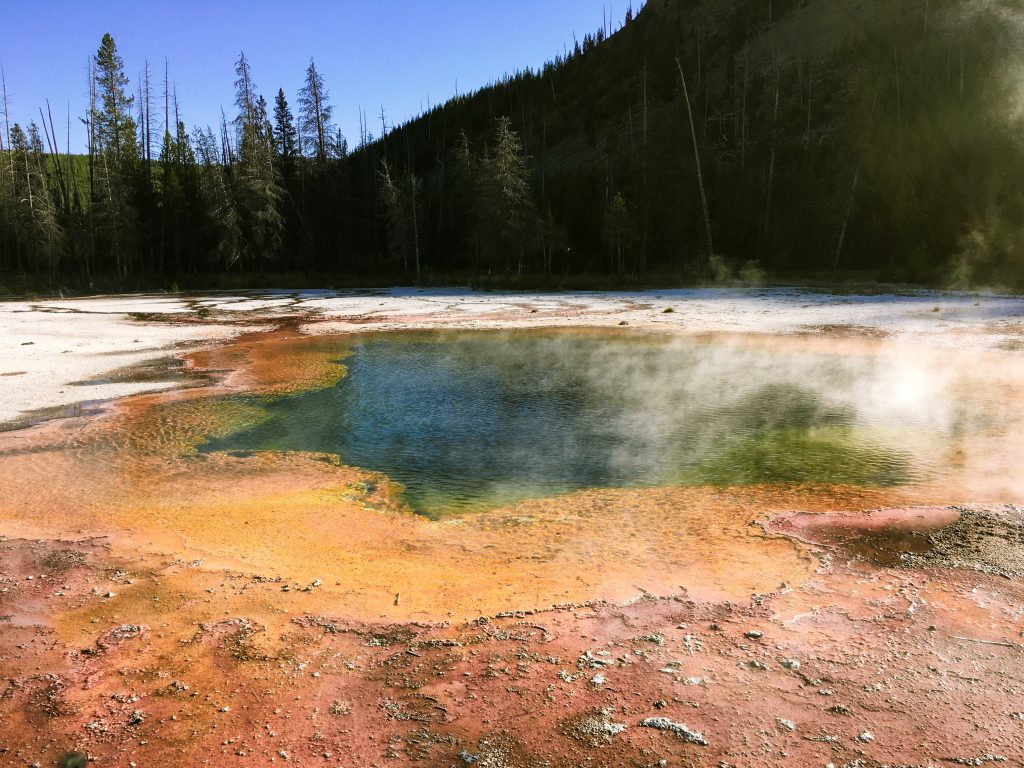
(390, 52)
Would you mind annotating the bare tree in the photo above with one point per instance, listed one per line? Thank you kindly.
(7, 117)
(771, 162)
(696, 157)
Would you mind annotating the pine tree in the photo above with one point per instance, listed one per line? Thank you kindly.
(618, 232)
(339, 145)
(38, 235)
(47, 233)
(23, 220)
(553, 239)
(285, 135)
(506, 218)
(245, 96)
(116, 156)
(403, 212)
(315, 115)
(223, 229)
(394, 215)
(463, 190)
(112, 117)
(178, 194)
(257, 189)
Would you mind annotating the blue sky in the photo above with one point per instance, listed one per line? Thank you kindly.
(390, 52)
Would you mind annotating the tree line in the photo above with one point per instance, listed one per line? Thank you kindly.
(704, 140)
(184, 202)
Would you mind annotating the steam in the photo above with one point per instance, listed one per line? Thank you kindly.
(485, 418)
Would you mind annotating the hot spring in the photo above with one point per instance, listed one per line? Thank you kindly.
(467, 421)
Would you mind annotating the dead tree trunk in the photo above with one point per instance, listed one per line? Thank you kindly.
(771, 165)
(846, 219)
(7, 119)
(696, 157)
(413, 189)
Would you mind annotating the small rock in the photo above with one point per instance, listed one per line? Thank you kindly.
(786, 725)
(754, 634)
(979, 760)
(679, 729)
(593, 661)
(598, 680)
(126, 631)
(866, 737)
(340, 708)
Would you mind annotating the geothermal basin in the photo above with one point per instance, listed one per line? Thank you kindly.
(447, 528)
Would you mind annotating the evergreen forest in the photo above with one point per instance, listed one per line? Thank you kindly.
(700, 141)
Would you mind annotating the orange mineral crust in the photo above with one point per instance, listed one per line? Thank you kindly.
(155, 659)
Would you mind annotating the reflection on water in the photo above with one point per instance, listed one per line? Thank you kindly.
(480, 419)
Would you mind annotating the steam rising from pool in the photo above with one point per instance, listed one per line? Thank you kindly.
(470, 420)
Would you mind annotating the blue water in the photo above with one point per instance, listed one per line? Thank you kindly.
(470, 420)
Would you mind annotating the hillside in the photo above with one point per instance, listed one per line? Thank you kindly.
(864, 135)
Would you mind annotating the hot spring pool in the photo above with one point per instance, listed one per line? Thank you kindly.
(474, 420)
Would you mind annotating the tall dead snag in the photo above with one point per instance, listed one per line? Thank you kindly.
(846, 219)
(771, 164)
(147, 127)
(853, 192)
(743, 122)
(696, 157)
(7, 119)
(810, 99)
(54, 162)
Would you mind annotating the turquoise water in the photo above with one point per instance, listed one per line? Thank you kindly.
(471, 420)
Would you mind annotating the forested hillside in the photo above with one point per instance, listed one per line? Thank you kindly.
(702, 140)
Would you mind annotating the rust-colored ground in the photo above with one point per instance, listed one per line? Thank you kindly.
(191, 667)
(160, 606)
